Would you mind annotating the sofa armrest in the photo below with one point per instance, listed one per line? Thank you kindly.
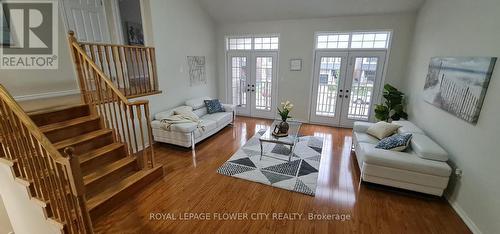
(229, 107)
(361, 126)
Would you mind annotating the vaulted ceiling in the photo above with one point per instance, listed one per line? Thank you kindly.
(225, 11)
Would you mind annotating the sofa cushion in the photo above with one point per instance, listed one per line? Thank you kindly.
(201, 112)
(396, 142)
(213, 106)
(168, 113)
(222, 118)
(197, 103)
(426, 148)
(382, 129)
(407, 126)
(364, 137)
(403, 161)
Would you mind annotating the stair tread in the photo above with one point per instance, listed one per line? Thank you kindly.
(117, 188)
(106, 170)
(99, 152)
(81, 138)
(71, 122)
(58, 108)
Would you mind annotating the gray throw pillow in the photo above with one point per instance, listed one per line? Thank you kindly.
(396, 142)
(213, 106)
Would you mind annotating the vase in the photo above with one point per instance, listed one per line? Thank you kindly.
(283, 127)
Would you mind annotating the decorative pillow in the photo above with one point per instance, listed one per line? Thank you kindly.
(382, 129)
(397, 142)
(213, 106)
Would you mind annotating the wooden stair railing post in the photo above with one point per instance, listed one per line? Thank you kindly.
(78, 66)
(78, 187)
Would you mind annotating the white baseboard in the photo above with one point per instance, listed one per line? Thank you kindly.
(470, 224)
(46, 95)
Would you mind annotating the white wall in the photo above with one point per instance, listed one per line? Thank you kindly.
(297, 41)
(5, 226)
(462, 28)
(30, 82)
(181, 28)
(25, 215)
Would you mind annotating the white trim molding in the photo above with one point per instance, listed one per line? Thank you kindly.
(46, 95)
(463, 215)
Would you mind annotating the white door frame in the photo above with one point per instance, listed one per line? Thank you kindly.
(229, 86)
(251, 56)
(270, 114)
(332, 120)
(377, 86)
(347, 68)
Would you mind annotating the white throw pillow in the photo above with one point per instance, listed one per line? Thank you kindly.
(382, 129)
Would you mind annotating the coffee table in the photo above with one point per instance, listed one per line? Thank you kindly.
(289, 140)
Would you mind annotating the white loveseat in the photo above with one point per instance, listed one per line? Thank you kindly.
(188, 134)
(420, 168)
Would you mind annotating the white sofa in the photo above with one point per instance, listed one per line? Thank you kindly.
(188, 134)
(420, 168)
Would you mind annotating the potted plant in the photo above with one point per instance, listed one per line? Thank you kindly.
(284, 112)
(392, 108)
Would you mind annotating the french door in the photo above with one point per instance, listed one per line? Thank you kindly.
(345, 86)
(252, 78)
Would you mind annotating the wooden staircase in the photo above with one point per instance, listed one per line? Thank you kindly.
(109, 175)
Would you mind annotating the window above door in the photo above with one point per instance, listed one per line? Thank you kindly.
(260, 43)
(353, 40)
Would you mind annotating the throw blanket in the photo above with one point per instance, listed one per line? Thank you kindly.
(178, 119)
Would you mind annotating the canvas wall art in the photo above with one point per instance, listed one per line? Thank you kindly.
(135, 34)
(458, 84)
(197, 73)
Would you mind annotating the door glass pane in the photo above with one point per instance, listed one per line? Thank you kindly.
(239, 80)
(263, 82)
(363, 80)
(329, 74)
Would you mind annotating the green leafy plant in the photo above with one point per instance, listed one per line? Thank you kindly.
(392, 108)
(284, 112)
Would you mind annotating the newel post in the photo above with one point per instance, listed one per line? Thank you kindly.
(78, 187)
(78, 65)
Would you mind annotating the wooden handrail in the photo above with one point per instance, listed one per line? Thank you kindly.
(54, 179)
(130, 121)
(132, 69)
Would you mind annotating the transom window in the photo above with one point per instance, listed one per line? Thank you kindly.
(253, 43)
(239, 43)
(353, 40)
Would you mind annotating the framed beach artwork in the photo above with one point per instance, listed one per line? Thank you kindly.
(458, 85)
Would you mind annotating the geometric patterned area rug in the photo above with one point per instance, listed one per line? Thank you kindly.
(299, 175)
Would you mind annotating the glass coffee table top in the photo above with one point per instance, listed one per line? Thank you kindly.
(293, 133)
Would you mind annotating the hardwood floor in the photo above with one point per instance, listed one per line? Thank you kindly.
(185, 189)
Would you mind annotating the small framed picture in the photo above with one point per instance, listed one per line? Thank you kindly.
(295, 64)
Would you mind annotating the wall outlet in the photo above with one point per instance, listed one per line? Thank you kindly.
(458, 172)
